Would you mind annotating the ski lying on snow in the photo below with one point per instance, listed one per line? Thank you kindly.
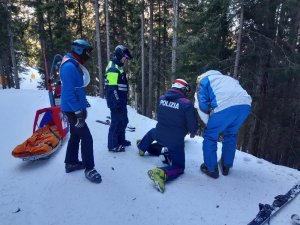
(266, 211)
(108, 118)
(107, 122)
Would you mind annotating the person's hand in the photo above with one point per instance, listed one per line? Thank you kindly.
(192, 135)
(80, 119)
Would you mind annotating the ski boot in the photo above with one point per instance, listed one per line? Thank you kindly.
(119, 148)
(165, 156)
(141, 152)
(73, 167)
(224, 169)
(126, 143)
(159, 177)
(93, 176)
(214, 174)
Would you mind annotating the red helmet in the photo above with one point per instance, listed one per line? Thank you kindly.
(182, 85)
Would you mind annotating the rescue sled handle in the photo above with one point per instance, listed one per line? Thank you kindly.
(51, 97)
(46, 115)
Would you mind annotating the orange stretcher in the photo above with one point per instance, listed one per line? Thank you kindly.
(50, 128)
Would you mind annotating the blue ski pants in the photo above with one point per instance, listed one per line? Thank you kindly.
(227, 121)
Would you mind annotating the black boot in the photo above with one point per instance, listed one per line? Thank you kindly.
(118, 148)
(93, 176)
(224, 169)
(73, 167)
(165, 156)
(214, 174)
(126, 143)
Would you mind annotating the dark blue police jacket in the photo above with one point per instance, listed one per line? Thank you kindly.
(175, 115)
(116, 85)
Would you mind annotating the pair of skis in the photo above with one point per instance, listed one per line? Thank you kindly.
(107, 122)
(266, 211)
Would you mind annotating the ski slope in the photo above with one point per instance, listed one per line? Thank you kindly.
(30, 78)
(35, 193)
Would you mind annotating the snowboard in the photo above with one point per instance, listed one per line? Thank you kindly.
(266, 211)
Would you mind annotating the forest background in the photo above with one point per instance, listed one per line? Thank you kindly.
(255, 41)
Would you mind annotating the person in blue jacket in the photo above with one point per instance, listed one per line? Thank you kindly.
(223, 106)
(116, 85)
(175, 119)
(75, 77)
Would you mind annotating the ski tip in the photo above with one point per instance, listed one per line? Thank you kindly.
(296, 219)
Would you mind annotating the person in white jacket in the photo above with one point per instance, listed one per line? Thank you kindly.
(223, 105)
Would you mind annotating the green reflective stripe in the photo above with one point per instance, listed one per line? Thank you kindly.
(113, 65)
(112, 78)
(119, 68)
(109, 65)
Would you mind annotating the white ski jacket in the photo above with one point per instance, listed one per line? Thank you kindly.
(216, 92)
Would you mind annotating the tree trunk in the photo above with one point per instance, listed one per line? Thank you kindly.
(159, 63)
(165, 69)
(174, 41)
(107, 30)
(62, 10)
(41, 33)
(239, 43)
(12, 49)
(260, 77)
(49, 32)
(80, 19)
(143, 59)
(98, 39)
(2, 74)
(150, 99)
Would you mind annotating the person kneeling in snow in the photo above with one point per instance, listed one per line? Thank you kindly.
(75, 78)
(156, 149)
(176, 118)
(223, 105)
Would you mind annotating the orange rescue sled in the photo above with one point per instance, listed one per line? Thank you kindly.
(49, 130)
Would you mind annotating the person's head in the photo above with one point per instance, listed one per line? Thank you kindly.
(181, 85)
(82, 49)
(122, 54)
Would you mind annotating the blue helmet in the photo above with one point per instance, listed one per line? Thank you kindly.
(82, 48)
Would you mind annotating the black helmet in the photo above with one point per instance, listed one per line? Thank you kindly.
(121, 51)
(81, 48)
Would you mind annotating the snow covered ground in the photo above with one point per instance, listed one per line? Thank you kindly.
(40, 192)
(30, 78)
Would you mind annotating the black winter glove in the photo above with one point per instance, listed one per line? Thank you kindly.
(80, 119)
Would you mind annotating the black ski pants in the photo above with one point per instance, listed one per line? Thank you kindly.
(83, 136)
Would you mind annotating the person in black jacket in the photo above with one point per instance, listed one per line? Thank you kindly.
(116, 96)
(175, 119)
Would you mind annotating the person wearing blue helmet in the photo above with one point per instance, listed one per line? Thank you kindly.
(116, 96)
(75, 77)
